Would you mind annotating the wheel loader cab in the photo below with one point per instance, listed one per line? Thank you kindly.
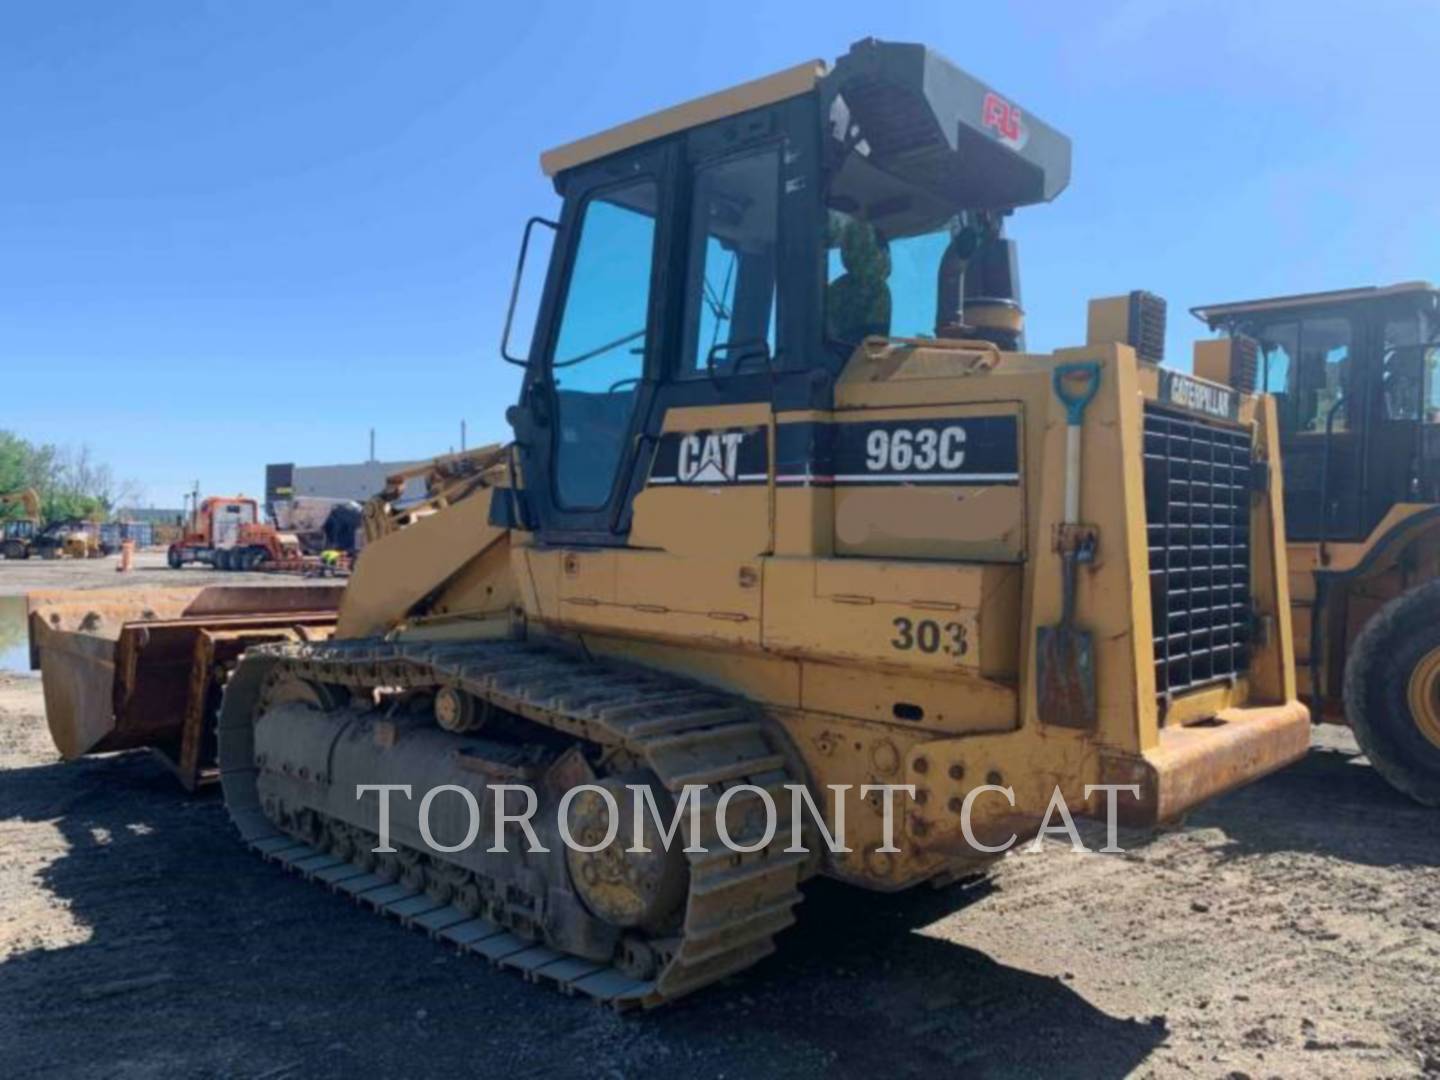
(1355, 374)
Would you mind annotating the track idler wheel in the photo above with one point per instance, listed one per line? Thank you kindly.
(634, 889)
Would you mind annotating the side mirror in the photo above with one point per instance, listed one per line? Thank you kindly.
(554, 227)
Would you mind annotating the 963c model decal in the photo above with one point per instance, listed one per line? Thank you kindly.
(962, 451)
(967, 451)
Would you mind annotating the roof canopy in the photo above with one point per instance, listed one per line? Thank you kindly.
(1216, 314)
(902, 110)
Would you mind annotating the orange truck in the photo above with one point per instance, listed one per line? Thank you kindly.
(227, 533)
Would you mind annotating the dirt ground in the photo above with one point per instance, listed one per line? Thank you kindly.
(20, 576)
(1288, 929)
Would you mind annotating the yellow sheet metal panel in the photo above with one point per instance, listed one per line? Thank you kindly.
(931, 482)
(709, 491)
(804, 513)
(923, 703)
(925, 616)
(1108, 320)
(1212, 360)
(836, 750)
(486, 587)
(1272, 656)
(771, 681)
(755, 94)
(653, 593)
(398, 570)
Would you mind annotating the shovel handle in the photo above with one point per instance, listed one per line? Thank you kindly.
(1075, 386)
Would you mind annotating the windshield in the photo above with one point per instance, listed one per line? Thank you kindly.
(876, 285)
(1411, 389)
(1305, 364)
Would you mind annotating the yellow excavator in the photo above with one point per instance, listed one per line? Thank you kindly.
(18, 534)
(788, 505)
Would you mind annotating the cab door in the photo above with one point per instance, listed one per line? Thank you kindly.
(1400, 410)
(591, 377)
(1316, 367)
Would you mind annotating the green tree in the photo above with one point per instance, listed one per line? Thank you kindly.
(71, 483)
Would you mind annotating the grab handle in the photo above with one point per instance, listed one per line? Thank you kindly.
(1075, 386)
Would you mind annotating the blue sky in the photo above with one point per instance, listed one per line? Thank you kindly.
(233, 233)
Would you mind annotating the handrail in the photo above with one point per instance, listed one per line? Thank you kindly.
(554, 226)
(1325, 480)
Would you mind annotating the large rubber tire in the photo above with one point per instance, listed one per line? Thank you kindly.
(1398, 647)
(173, 558)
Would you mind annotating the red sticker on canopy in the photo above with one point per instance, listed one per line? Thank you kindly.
(1004, 119)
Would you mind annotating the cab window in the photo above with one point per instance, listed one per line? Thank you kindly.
(731, 300)
(1411, 390)
(599, 355)
(878, 285)
(1306, 364)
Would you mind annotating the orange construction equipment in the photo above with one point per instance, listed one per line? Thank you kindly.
(227, 533)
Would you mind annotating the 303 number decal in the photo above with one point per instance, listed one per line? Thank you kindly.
(930, 636)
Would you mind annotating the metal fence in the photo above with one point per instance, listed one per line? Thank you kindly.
(141, 532)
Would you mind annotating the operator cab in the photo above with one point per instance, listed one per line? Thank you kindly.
(1353, 374)
(739, 248)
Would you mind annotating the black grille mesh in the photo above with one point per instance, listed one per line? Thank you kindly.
(1147, 325)
(1197, 507)
(1244, 363)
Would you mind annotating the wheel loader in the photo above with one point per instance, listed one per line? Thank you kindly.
(788, 507)
(17, 533)
(1354, 377)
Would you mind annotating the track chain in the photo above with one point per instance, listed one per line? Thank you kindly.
(686, 733)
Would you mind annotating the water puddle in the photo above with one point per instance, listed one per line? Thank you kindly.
(14, 639)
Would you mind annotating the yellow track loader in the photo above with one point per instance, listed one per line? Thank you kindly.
(788, 506)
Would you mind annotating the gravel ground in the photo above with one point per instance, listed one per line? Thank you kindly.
(18, 577)
(1289, 929)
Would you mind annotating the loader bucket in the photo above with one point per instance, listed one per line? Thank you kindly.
(123, 669)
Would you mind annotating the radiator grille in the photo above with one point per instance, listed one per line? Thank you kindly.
(1197, 506)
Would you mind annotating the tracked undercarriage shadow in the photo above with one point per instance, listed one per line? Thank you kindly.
(196, 956)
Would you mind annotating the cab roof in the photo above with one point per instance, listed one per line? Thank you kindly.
(1214, 314)
(756, 94)
(891, 113)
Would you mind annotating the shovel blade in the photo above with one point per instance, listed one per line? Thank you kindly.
(1065, 675)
